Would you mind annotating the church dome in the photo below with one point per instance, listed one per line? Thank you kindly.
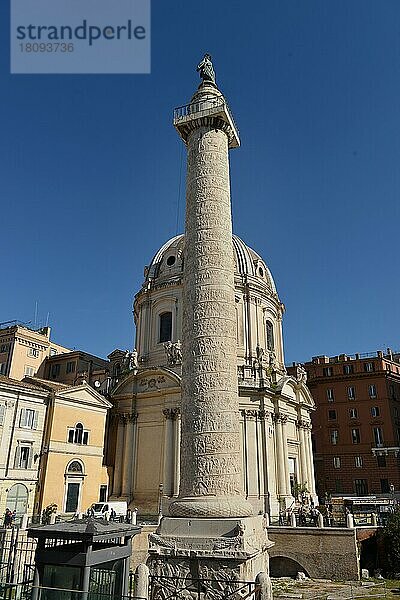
(168, 262)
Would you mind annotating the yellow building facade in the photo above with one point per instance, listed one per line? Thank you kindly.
(23, 350)
(71, 473)
(51, 446)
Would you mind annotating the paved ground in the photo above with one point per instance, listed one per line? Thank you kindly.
(322, 589)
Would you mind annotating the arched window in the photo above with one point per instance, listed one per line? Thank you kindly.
(165, 329)
(17, 499)
(74, 476)
(269, 328)
(75, 467)
(78, 435)
(117, 370)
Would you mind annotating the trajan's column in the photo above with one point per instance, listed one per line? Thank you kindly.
(211, 532)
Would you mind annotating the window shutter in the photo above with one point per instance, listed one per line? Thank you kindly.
(71, 436)
(85, 437)
(22, 418)
(35, 419)
(17, 455)
(2, 410)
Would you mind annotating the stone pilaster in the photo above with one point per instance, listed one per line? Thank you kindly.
(119, 449)
(303, 450)
(170, 453)
(281, 459)
(129, 420)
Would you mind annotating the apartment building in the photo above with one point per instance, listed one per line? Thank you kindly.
(356, 427)
(23, 350)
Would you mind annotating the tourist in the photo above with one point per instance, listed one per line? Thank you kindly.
(7, 518)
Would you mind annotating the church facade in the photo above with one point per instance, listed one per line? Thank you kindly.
(275, 408)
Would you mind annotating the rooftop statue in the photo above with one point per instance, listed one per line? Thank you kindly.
(206, 69)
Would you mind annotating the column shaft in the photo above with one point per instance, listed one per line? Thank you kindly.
(211, 482)
(127, 460)
(119, 448)
(311, 484)
(286, 457)
(303, 461)
(281, 480)
(168, 454)
(177, 458)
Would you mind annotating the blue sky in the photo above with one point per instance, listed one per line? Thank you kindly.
(90, 165)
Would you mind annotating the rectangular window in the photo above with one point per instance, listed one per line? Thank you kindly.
(358, 461)
(378, 437)
(29, 371)
(34, 352)
(165, 327)
(361, 487)
(336, 462)
(23, 457)
(4, 347)
(71, 367)
(353, 413)
(375, 411)
(103, 493)
(381, 461)
(330, 394)
(385, 488)
(328, 371)
(338, 486)
(2, 412)
(372, 391)
(369, 367)
(55, 370)
(355, 436)
(351, 392)
(2, 368)
(332, 415)
(28, 418)
(334, 436)
(348, 369)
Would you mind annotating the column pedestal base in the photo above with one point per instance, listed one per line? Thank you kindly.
(213, 556)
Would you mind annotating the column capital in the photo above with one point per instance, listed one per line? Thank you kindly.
(279, 418)
(302, 424)
(249, 413)
(264, 415)
(171, 413)
(126, 418)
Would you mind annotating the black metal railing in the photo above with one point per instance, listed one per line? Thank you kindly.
(206, 106)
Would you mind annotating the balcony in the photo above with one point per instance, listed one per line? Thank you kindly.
(211, 106)
(385, 448)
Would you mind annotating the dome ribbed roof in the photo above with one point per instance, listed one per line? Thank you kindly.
(247, 261)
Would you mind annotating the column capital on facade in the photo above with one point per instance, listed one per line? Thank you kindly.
(264, 415)
(250, 413)
(279, 418)
(171, 413)
(302, 424)
(126, 418)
